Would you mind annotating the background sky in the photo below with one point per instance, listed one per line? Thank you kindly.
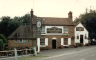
(45, 8)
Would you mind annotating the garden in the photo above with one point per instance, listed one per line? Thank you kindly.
(21, 50)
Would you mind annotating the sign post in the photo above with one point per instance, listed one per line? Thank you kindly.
(39, 27)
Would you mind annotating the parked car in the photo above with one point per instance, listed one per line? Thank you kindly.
(92, 42)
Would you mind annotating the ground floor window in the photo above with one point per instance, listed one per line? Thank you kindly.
(22, 41)
(77, 37)
(16, 41)
(28, 41)
(65, 41)
(42, 41)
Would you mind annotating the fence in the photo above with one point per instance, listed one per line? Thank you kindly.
(16, 52)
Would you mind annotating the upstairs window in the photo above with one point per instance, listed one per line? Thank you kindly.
(65, 29)
(43, 28)
(42, 41)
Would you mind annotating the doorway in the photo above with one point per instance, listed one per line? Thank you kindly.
(54, 44)
(81, 38)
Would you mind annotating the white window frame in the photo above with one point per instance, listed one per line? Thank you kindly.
(28, 40)
(66, 30)
(16, 41)
(22, 41)
(43, 28)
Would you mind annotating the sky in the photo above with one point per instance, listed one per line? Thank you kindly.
(45, 8)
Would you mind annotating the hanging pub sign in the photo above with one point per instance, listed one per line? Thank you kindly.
(38, 27)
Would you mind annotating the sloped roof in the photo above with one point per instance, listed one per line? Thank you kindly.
(54, 21)
(78, 23)
(22, 32)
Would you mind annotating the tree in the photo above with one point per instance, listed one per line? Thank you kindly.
(1, 44)
(8, 25)
(88, 19)
(3, 41)
(3, 38)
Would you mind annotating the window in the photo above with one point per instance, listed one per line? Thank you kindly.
(85, 37)
(28, 41)
(43, 28)
(22, 41)
(77, 37)
(65, 29)
(65, 41)
(16, 41)
(42, 41)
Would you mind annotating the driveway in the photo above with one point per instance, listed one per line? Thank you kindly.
(53, 52)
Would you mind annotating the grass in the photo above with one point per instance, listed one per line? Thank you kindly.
(33, 57)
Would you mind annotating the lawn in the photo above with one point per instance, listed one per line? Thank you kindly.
(33, 57)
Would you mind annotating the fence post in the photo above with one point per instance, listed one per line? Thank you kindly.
(35, 52)
(15, 50)
(26, 52)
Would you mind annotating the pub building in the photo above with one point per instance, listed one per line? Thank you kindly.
(44, 32)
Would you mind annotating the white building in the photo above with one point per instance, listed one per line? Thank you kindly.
(81, 34)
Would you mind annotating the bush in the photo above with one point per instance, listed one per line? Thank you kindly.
(87, 44)
(48, 48)
(38, 52)
(78, 44)
(1, 44)
(32, 51)
(42, 48)
(60, 46)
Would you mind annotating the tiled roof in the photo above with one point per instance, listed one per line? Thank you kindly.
(22, 31)
(54, 21)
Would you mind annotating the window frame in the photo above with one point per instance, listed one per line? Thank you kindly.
(22, 41)
(66, 29)
(42, 42)
(28, 40)
(16, 41)
(65, 41)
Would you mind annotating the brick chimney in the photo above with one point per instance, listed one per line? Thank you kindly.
(70, 15)
(31, 21)
(31, 17)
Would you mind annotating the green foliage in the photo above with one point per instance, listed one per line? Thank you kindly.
(88, 19)
(3, 38)
(1, 44)
(8, 25)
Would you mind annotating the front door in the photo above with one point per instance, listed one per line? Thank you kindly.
(54, 44)
(81, 38)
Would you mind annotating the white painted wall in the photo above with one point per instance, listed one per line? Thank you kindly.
(38, 44)
(80, 33)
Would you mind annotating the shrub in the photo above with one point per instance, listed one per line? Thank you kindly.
(42, 48)
(78, 44)
(87, 44)
(60, 46)
(32, 50)
(38, 52)
(48, 48)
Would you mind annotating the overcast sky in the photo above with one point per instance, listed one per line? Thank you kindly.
(45, 8)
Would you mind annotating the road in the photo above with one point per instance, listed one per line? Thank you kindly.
(83, 54)
(80, 53)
